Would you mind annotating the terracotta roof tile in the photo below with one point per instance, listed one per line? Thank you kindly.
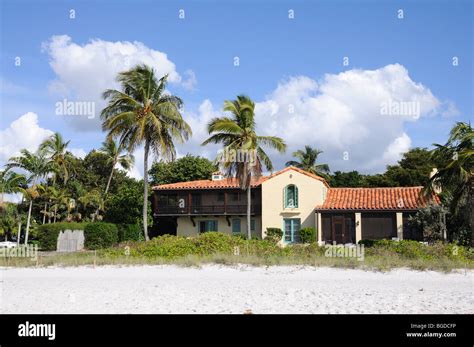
(396, 198)
(231, 182)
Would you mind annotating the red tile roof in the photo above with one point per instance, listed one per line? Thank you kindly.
(231, 182)
(396, 198)
(209, 184)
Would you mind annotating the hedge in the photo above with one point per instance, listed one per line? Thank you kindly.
(130, 232)
(100, 235)
(48, 233)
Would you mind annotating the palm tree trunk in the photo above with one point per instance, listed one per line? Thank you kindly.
(108, 184)
(145, 191)
(44, 214)
(18, 235)
(249, 232)
(28, 221)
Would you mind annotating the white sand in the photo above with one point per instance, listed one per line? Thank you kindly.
(220, 289)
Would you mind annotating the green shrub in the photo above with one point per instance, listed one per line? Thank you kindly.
(166, 246)
(307, 235)
(48, 233)
(367, 242)
(100, 235)
(215, 242)
(130, 232)
(274, 234)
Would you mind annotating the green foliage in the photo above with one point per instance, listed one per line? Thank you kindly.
(431, 222)
(125, 206)
(100, 235)
(130, 232)
(8, 219)
(187, 168)
(307, 235)
(274, 234)
(417, 250)
(48, 233)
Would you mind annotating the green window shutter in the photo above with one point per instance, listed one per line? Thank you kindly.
(296, 196)
(285, 203)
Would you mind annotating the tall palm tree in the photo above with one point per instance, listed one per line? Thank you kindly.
(143, 113)
(116, 154)
(56, 149)
(455, 162)
(37, 166)
(307, 161)
(238, 133)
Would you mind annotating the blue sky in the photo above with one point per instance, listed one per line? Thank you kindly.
(283, 62)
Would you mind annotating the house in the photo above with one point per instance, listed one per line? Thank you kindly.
(289, 199)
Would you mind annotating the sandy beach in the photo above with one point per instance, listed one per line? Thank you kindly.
(224, 289)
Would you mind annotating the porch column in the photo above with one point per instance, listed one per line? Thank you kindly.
(358, 222)
(400, 225)
(319, 228)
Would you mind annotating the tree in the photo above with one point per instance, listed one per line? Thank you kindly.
(10, 183)
(347, 179)
(115, 155)
(455, 170)
(187, 168)
(142, 113)
(37, 165)
(237, 133)
(412, 170)
(307, 161)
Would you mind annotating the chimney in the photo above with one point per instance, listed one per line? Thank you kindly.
(436, 186)
(217, 176)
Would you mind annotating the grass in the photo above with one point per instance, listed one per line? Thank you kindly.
(218, 248)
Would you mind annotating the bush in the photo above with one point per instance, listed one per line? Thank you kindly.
(100, 235)
(307, 235)
(367, 242)
(274, 234)
(215, 242)
(130, 232)
(48, 233)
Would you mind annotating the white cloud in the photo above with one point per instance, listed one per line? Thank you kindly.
(83, 72)
(23, 132)
(342, 113)
(78, 152)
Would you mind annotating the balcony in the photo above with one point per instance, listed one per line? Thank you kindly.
(213, 210)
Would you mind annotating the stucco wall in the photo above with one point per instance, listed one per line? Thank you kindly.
(186, 228)
(310, 194)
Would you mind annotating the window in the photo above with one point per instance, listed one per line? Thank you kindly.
(236, 226)
(220, 196)
(292, 228)
(291, 196)
(207, 225)
(196, 199)
(252, 225)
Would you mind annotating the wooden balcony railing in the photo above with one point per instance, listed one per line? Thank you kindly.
(207, 210)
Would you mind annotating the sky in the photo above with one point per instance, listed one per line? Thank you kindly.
(363, 81)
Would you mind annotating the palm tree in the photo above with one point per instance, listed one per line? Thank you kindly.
(55, 148)
(237, 133)
(307, 161)
(37, 166)
(10, 183)
(143, 113)
(115, 155)
(455, 162)
(95, 199)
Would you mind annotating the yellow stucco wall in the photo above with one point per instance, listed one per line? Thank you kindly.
(311, 192)
(186, 228)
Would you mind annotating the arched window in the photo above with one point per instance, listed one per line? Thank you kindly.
(290, 199)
